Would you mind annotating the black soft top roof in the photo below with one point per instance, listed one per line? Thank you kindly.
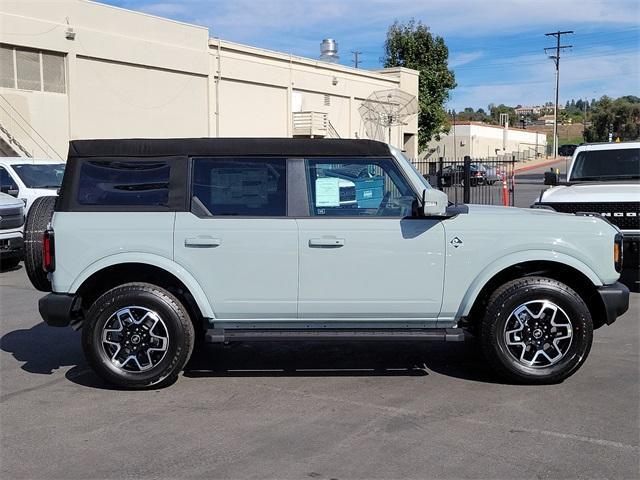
(289, 147)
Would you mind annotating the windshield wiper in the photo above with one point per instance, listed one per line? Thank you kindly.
(46, 186)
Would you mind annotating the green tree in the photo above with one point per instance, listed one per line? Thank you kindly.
(412, 45)
(621, 117)
(495, 111)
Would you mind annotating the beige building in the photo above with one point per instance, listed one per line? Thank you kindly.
(74, 69)
(479, 140)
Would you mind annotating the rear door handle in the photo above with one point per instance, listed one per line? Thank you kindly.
(202, 242)
(326, 242)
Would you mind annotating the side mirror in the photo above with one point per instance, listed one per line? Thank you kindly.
(551, 178)
(8, 190)
(434, 202)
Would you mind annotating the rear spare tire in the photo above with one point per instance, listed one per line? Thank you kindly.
(37, 222)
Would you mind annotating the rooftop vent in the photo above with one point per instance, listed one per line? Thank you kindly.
(329, 51)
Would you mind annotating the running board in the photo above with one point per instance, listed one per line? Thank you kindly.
(274, 335)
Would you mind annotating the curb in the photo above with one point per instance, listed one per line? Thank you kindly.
(537, 165)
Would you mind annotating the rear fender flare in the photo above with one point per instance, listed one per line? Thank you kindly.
(150, 259)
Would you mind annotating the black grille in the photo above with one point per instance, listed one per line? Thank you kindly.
(624, 215)
(11, 217)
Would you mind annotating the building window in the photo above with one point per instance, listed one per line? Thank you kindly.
(28, 69)
(7, 72)
(327, 100)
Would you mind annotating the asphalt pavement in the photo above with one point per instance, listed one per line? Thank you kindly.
(311, 410)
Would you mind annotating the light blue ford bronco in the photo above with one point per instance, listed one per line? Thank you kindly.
(156, 244)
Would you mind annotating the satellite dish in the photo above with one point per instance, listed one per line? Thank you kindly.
(386, 108)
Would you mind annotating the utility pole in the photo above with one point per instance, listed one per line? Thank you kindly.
(556, 60)
(584, 119)
(356, 58)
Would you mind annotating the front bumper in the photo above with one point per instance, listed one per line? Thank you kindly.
(11, 247)
(59, 309)
(615, 298)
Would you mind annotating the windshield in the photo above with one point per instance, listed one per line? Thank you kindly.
(603, 165)
(44, 175)
(402, 158)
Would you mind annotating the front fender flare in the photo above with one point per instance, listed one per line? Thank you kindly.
(150, 259)
(515, 258)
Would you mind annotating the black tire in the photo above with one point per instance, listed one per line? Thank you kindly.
(176, 325)
(9, 263)
(506, 300)
(38, 219)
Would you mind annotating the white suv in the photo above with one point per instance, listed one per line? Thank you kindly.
(30, 178)
(603, 178)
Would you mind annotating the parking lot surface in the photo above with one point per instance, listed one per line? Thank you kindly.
(312, 410)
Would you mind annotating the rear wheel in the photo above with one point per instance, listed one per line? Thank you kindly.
(37, 222)
(536, 330)
(138, 335)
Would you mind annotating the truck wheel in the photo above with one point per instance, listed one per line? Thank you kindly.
(137, 335)
(38, 219)
(536, 330)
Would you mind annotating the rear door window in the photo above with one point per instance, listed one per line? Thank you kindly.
(239, 186)
(124, 182)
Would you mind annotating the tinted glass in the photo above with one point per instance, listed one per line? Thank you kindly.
(6, 182)
(123, 182)
(40, 176)
(241, 186)
(358, 187)
(614, 164)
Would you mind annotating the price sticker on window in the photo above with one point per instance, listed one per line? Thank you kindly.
(327, 192)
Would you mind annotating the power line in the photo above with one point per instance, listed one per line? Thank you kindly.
(556, 59)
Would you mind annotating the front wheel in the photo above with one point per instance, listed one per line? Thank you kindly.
(137, 335)
(536, 330)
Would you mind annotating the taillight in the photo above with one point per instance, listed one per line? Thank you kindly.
(48, 251)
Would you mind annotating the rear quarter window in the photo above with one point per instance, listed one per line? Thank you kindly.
(130, 182)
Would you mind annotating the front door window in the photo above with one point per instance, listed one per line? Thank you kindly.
(358, 187)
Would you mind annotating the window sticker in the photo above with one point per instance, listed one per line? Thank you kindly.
(327, 192)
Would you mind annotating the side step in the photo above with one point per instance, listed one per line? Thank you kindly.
(273, 335)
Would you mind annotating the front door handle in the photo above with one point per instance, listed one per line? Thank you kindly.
(202, 242)
(326, 242)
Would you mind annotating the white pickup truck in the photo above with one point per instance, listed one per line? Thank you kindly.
(11, 222)
(603, 178)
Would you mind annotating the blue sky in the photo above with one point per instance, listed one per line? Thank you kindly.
(495, 46)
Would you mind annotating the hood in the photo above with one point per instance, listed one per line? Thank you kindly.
(596, 193)
(511, 211)
(43, 192)
(504, 219)
(8, 200)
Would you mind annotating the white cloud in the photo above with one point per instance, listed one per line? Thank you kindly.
(463, 58)
(246, 19)
(601, 72)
